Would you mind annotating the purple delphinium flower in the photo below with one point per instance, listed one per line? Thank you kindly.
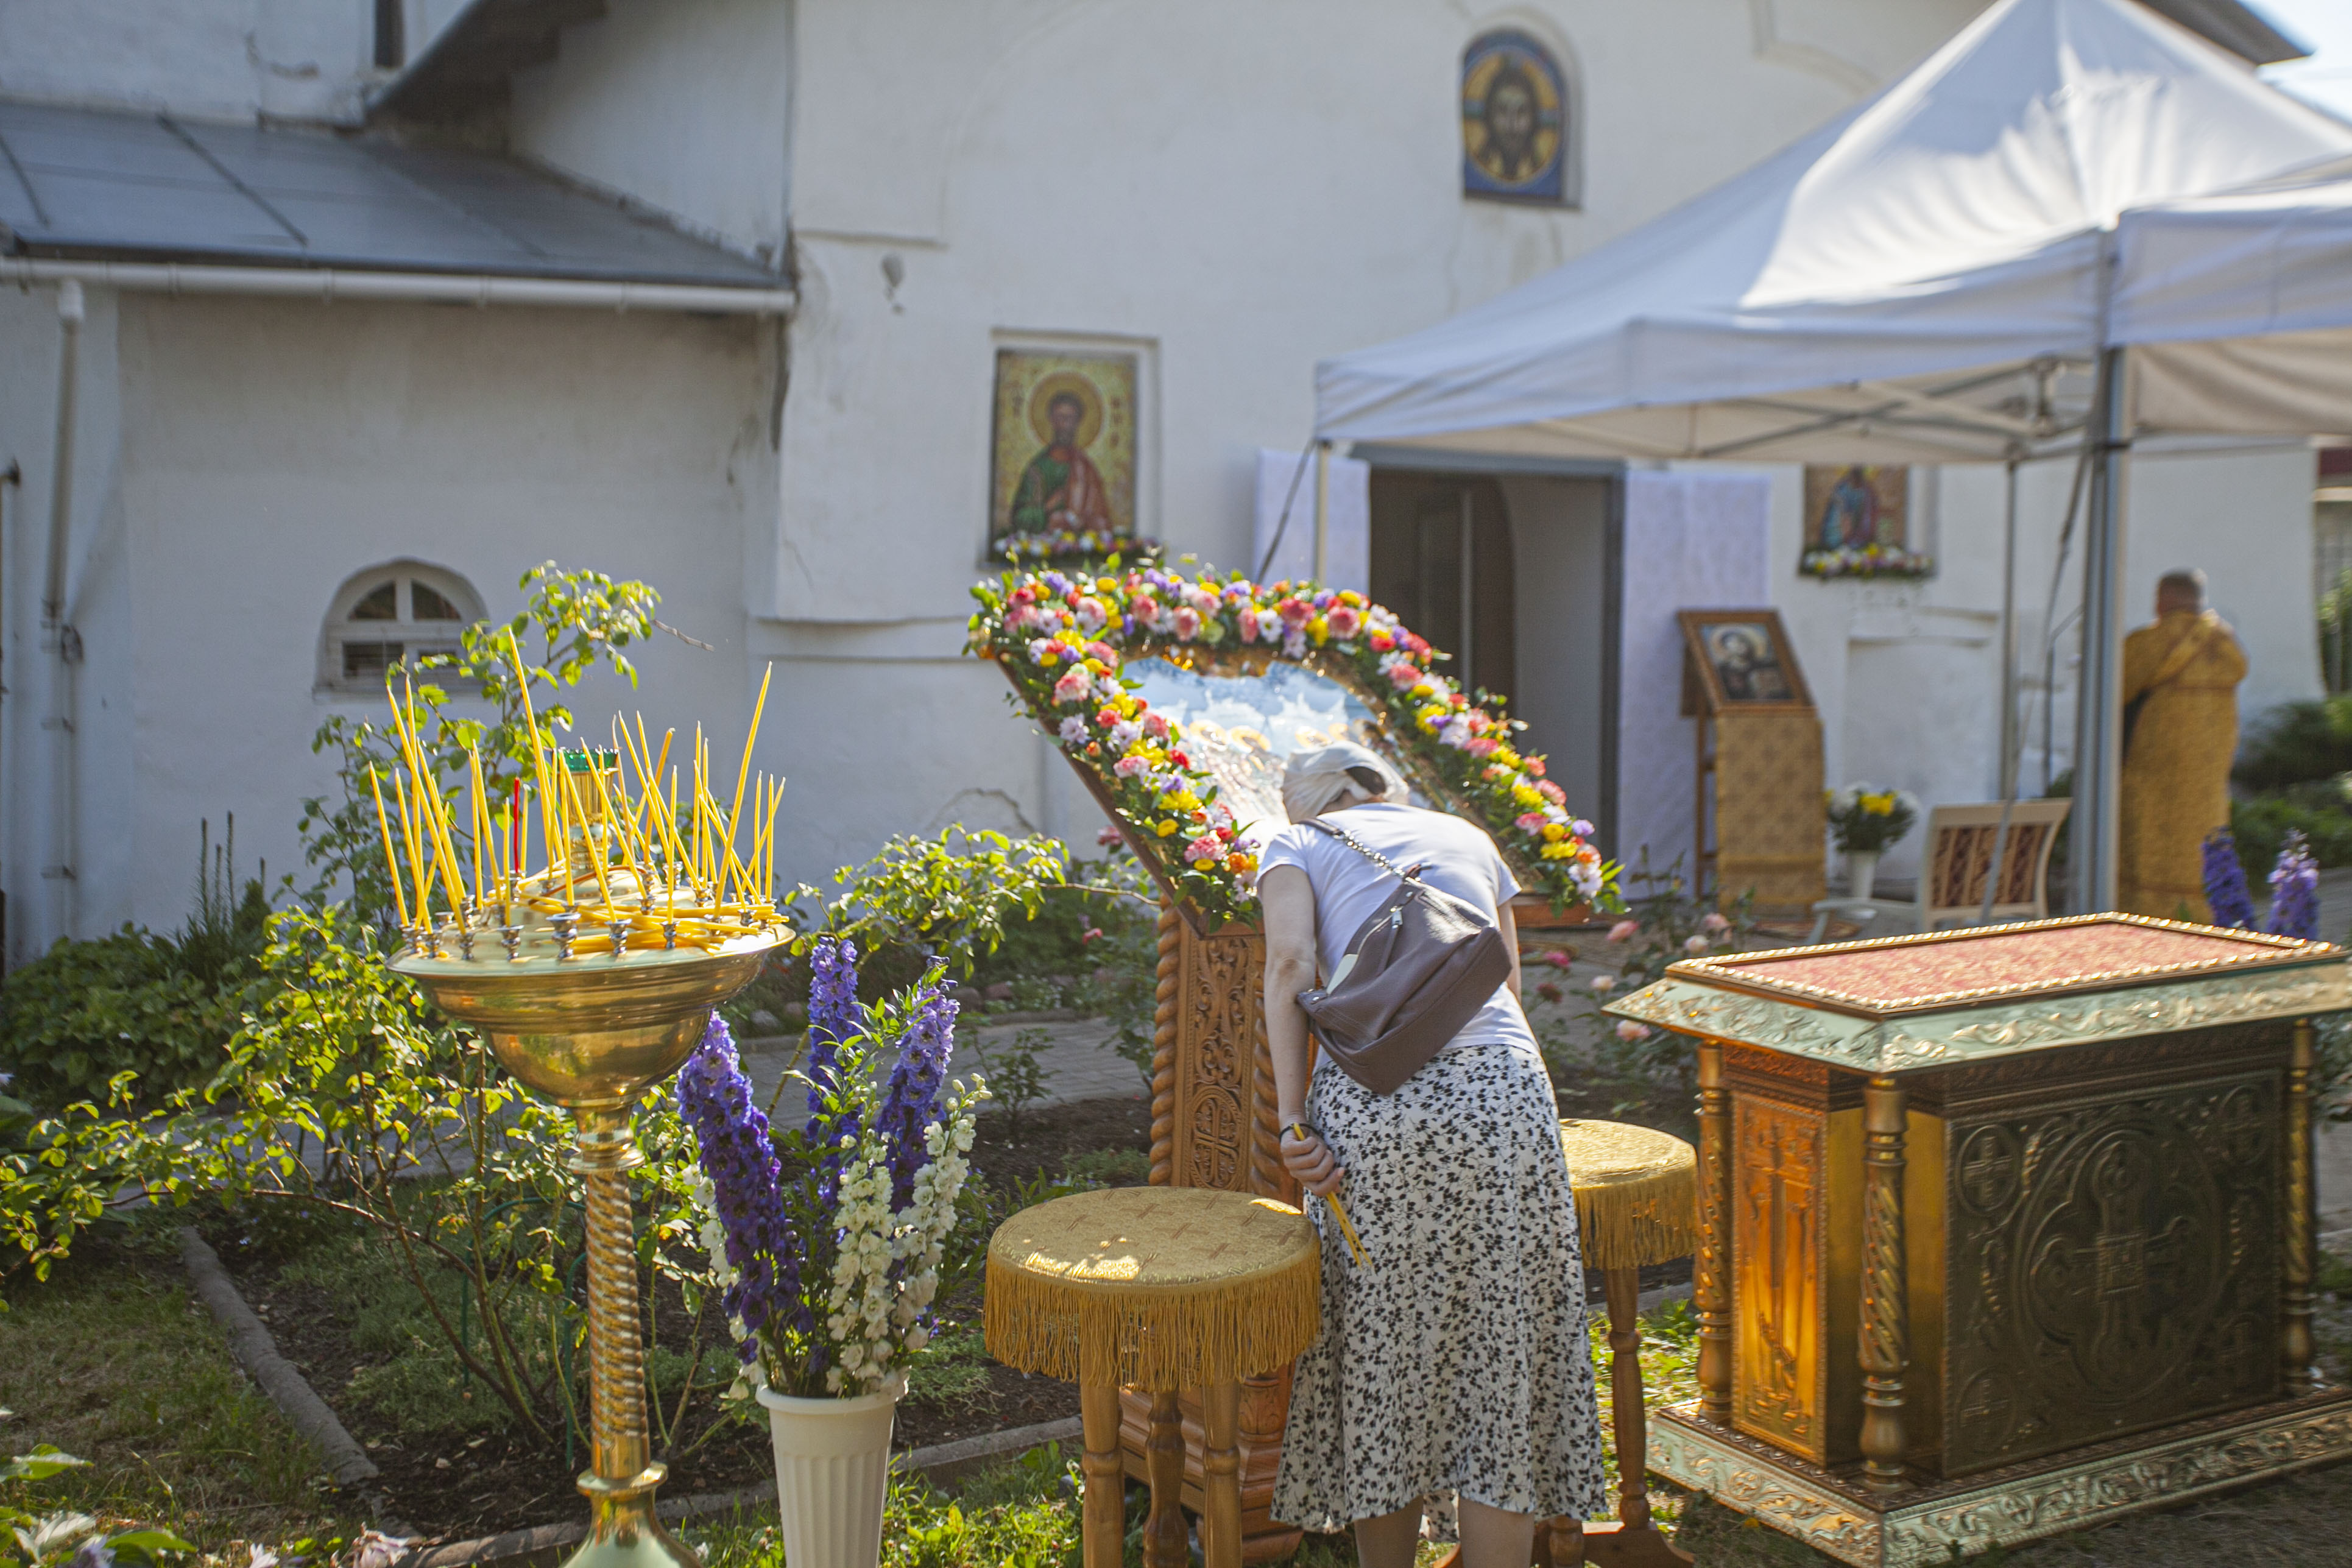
(912, 1103)
(2294, 891)
(741, 1161)
(832, 1018)
(2225, 882)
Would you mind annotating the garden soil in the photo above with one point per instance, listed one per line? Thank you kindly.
(463, 1485)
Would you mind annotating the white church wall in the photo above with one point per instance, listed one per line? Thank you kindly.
(482, 442)
(682, 105)
(34, 834)
(221, 59)
(1250, 188)
(1233, 191)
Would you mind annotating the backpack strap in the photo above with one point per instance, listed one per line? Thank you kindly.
(1344, 837)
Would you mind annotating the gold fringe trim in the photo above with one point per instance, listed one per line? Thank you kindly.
(1153, 1336)
(1636, 1192)
(1630, 1225)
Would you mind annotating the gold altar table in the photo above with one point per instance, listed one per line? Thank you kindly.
(1159, 1288)
(2004, 1231)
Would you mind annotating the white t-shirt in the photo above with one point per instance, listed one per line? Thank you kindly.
(1454, 855)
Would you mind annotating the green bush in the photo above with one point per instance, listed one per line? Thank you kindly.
(160, 1006)
(2296, 743)
(2318, 811)
(84, 1010)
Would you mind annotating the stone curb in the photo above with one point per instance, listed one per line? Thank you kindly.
(248, 1337)
(250, 1342)
(940, 1462)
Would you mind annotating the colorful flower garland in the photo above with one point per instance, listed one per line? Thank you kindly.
(1063, 640)
(1070, 545)
(1869, 561)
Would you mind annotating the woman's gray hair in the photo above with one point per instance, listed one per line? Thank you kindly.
(1315, 781)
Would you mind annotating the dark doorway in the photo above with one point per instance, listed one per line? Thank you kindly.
(390, 33)
(1442, 558)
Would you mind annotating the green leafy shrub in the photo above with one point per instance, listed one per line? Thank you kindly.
(2296, 743)
(85, 1011)
(160, 1006)
(2318, 810)
(1664, 922)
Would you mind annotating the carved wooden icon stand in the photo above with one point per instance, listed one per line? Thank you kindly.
(2004, 1231)
(1760, 811)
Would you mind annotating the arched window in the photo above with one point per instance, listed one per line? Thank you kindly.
(1518, 121)
(390, 615)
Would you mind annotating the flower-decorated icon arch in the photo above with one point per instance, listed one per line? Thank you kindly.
(1065, 642)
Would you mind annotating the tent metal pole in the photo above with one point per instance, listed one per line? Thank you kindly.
(1322, 507)
(2011, 741)
(2098, 752)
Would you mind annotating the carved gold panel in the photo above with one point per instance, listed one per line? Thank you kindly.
(1796, 1251)
(1794, 1378)
(2114, 1265)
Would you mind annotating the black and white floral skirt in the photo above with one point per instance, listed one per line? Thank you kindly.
(1457, 1363)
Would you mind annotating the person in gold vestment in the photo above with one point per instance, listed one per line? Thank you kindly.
(2180, 730)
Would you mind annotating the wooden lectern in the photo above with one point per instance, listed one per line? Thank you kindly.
(1759, 808)
(2003, 1232)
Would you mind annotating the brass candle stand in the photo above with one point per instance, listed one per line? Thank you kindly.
(593, 1033)
(592, 979)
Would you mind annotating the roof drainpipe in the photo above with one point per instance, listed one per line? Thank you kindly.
(58, 638)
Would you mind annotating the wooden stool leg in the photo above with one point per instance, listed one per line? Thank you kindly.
(1165, 1544)
(1104, 1521)
(1633, 1541)
(1559, 1542)
(1221, 1476)
(1627, 1397)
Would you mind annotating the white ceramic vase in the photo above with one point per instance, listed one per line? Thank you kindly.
(1861, 873)
(833, 1475)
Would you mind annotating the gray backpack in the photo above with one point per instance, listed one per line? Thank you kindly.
(1414, 975)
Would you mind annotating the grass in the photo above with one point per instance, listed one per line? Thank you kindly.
(115, 1362)
(1023, 1514)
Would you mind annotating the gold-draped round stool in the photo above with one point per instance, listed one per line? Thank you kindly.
(1159, 1288)
(1636, 1204)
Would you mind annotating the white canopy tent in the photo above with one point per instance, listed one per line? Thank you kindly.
(1925, 279)
(2237, 309)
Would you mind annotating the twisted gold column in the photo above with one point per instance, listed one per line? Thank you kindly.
(1711, 1289)
(622, 1477)
(1886, 1297)
(2300, 1220)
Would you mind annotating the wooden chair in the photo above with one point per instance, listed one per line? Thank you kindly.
(1959, 852)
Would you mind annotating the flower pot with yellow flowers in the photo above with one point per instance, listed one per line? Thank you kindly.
(1864, 821)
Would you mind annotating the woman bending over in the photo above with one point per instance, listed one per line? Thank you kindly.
(1452, 1375)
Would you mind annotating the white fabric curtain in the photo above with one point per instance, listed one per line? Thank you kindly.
(1693, 541)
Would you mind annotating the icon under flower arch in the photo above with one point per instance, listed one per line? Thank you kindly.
(1065, 641)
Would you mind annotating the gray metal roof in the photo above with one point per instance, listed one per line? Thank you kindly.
(88, 185)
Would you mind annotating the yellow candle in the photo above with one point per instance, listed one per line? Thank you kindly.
(391, 859)
(743, 771)
(572, 803)
(474, 767)
(421, 885)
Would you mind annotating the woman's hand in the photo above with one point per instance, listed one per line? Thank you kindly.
(1308, 1158)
